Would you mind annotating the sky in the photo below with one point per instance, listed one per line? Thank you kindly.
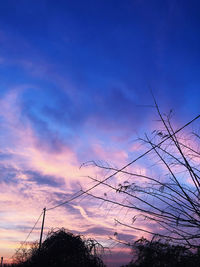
(75, 85)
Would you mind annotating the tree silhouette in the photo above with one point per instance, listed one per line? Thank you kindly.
(165, 196)
(158, 254)
(61, 249)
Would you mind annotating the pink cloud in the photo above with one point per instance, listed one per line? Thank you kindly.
(26, 198)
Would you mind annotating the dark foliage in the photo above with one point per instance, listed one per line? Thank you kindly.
(159, 254)
(62, 249)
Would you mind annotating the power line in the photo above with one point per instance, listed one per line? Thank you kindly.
(67, 201)
(124, 167)
(27, 235)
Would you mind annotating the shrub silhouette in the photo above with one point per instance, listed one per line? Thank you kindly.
(63, 249)
(158, 254)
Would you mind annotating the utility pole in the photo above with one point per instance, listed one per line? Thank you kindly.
(41, 233)
(1, 261)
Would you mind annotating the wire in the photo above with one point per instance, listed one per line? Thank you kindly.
(27, 235)
(124, 167)
(67, 201)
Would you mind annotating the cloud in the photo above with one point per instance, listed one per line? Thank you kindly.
(40, 168)
(44, 179)
(60, 119)
(8, 174)
(100, 231)
(5, 156)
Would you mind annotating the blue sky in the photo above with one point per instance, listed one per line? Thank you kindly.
(97, 47)
(75, 85)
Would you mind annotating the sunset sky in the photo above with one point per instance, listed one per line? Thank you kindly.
(75, 86)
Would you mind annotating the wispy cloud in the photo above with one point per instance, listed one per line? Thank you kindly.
(34, 176)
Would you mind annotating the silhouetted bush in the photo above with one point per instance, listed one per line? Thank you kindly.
(62, 249)
(158, 254)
